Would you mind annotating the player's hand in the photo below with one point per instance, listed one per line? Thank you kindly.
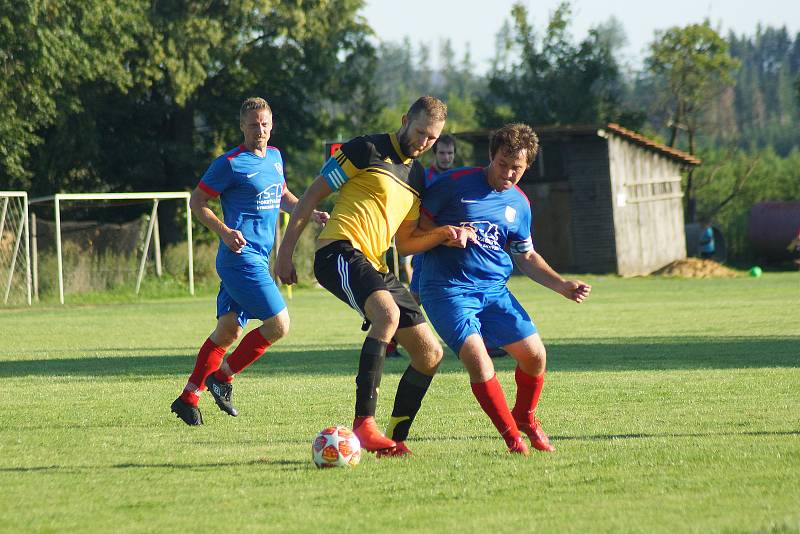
(284, 268)
(234, 240)
(459, 236)
(469, 234)
(576, 290)
(320, 217)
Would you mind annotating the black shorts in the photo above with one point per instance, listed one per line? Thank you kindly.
(345, 272)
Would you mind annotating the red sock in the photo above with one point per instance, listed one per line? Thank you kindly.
(208, 359)
(491, 398)
(528, 390)
(190, 397)
(251, 348)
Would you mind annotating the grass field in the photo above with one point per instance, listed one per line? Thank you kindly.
(674, 406)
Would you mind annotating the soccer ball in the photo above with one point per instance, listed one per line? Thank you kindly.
(336, 446)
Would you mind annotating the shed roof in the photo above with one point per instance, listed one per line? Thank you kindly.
(600, 130)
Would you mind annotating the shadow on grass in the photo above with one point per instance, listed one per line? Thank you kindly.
(594, 355)
(215, 465)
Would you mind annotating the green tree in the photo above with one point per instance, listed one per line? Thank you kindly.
(48, 50)
(154, 88)
(551, 79)
(691, 66)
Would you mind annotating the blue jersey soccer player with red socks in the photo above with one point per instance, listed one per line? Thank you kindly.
(464, 290)
(250, 184)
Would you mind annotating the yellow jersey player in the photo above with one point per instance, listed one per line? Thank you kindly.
(379, 182)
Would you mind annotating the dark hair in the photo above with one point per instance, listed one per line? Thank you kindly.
(430, 106)
(513, 138)
(253, 102)
(445, 139)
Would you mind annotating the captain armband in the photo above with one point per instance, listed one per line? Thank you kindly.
(521, 247)
(333, 174)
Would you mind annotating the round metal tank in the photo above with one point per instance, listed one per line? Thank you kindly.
(772, 226)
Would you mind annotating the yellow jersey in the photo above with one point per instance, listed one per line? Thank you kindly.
(379, 188)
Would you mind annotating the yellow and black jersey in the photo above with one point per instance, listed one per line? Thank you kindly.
(379, 188)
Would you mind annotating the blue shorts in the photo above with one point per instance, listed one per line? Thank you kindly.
(416, 273)
(249, 290)
(496, 315)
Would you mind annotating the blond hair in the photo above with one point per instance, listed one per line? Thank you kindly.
(254, 102)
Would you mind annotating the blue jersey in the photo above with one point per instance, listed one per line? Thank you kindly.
(431, 176)
(250, 189)
(463, 197)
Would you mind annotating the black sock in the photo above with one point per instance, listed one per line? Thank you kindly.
(412, 388)
(368, 380)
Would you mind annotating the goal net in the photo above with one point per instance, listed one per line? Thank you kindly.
(103, 241)
(15, 264)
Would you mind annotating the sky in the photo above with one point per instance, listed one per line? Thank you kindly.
(475, 23)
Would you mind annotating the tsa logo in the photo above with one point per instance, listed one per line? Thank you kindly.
(279, 167)
(488, 233)
(270, 198)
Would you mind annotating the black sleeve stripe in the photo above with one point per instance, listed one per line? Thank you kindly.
(358, 151)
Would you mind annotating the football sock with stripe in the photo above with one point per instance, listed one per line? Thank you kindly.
(410, 392)
(251, 348)
(208, 359)
(529, 388)
(493, 401)
(368, 380)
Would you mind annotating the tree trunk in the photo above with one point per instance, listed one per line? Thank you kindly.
(691, 202)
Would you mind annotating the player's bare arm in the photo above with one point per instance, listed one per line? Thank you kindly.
(302, 212)
(289, 202)
(411, 239)
(417, 236)
(198, 203)
(534, 266)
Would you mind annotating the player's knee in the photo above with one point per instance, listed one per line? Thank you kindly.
(276, 327)
(538, 359)
(436, 354)
(387, 317)
(225, 337)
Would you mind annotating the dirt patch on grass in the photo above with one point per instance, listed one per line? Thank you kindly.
(697, 268)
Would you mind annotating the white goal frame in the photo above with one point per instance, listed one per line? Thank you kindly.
(22, 228)
(152, 228)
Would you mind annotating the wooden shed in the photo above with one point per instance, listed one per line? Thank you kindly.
(605, 199)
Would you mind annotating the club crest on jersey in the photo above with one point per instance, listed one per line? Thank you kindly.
(279, 167)
(487, 232)
(511, 214)
(270, 198)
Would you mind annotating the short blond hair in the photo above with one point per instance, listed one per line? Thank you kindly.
(430, 106)
(513, 138)
(254, 102)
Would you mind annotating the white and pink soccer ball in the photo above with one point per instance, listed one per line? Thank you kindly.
(336, 446)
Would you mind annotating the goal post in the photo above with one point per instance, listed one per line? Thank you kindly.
(152, 230)
(14, 222)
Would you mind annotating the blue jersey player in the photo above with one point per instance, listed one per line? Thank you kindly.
(464, 290)
(444, 152)
(250, 184)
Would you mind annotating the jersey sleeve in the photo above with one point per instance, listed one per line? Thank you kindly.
(413, 213)
(520, 240)
(345, 163)
(436, 198)
(217, 178)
